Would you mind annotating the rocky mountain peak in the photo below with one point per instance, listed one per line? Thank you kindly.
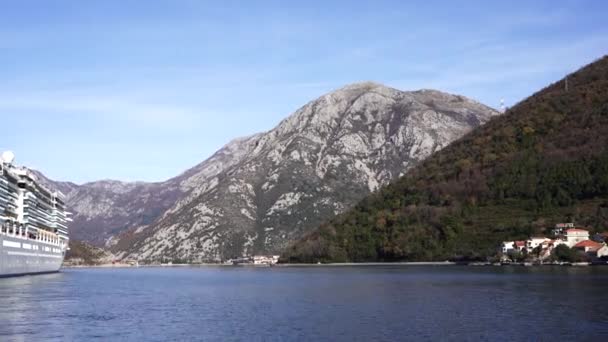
(258, 193)
(357, 89)
(316, 163)
(324, 114)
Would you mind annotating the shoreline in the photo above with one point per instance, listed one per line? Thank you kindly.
(346, 264)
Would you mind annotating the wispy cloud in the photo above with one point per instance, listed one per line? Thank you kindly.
(120, 110)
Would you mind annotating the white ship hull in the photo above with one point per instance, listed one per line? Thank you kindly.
(19, 256)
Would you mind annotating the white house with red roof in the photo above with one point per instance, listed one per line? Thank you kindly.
(576, 238)
(547, 245)
(507, 246)
(513, 246)
(588, 245)
(596, 249)
(576, 235)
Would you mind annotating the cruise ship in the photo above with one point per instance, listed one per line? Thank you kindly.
(33, 222)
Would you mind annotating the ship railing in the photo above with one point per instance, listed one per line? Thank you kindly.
(20, 232)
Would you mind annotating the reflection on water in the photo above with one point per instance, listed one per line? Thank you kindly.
(312, 303)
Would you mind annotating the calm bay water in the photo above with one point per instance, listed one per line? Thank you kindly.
(308, 304)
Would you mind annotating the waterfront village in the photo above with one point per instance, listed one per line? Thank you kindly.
(567, 244)
(260, 260)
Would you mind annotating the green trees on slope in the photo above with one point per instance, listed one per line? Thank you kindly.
(544, 161)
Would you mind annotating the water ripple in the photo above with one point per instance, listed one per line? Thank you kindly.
(306, 304)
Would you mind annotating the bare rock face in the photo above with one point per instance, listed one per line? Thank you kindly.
(103, 209)
(259, 193)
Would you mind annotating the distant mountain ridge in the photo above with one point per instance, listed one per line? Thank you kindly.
(103, 209)
(545, 161)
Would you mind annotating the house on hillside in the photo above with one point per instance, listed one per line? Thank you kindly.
(534, 242)
(560, 227)
(546, 245)
(265, 259)
(507, 247)
(601, 252)
(575, 235)
(513, 246)
(542, 247)
(592, 248)
(587, 245)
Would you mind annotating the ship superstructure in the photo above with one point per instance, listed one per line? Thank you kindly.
(33, 222)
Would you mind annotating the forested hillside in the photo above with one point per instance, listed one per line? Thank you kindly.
(81, 253)
(544, 161)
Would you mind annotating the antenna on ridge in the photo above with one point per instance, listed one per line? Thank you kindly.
(566, 83)
(502, 106)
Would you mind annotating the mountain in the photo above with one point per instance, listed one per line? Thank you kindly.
(104, 209)
(545, 161)
(280, 184)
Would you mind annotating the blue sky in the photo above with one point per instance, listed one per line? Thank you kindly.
(142, 90)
